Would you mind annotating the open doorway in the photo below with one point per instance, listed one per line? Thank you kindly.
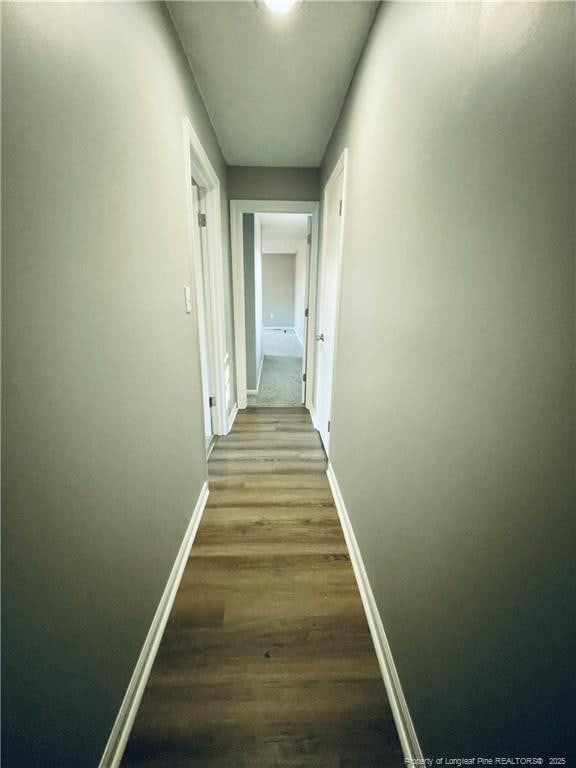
(274, 255)
(203, 296)
(333, 212)
(275, 352)
(202, 290)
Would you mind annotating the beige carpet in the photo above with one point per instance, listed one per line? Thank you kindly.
(281, 379)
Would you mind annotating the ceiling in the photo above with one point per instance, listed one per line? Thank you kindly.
(273, 85)
(283, 232)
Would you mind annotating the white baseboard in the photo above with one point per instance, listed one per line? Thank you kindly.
(404, 725)
(232, 417)
(279, 328)
(129, 707)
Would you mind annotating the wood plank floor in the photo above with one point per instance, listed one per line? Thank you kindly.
(267, 659)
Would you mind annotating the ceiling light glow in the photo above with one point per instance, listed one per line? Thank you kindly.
(280, 6)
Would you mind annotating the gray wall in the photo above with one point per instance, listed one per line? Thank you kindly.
(300, 289)
(258, 296)
(247, 183)
(453, 411)
(278, 287)
(251, 318)
(103, 454)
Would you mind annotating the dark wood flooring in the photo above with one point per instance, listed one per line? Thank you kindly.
(267, 659)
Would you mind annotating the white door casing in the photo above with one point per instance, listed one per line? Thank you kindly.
(201, 291)
(329, 297)
(237, 209)
(198, 167)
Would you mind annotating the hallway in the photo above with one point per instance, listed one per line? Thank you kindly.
(394, 183)
(267, 658)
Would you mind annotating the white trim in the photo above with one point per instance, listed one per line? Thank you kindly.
(237, 209)
(404, 725)
(299, 339)
(232, 417)
(129, 707)
(200, 275)
(198, 166)
(340, 167)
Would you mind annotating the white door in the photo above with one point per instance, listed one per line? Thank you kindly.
(201, 292)
(329, 288)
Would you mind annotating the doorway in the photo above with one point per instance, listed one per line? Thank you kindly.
(281, 258)
(329, 298)
(274, 253)
(207, 284)
(202, 295)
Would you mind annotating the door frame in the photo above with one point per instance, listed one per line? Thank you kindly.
(201, 292)
(237, 209)
(341, 166)
(307, 319)
(197, 166)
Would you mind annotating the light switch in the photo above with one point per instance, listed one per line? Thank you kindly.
(188, 298)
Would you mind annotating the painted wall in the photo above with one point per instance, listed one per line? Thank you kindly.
(258, 296)
(252, 297)
(300, 289)
(453, 411)
(278, 270)
(247, 183)
(103, 454)
(249, 299)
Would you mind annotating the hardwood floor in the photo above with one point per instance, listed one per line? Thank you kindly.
(267, 660)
